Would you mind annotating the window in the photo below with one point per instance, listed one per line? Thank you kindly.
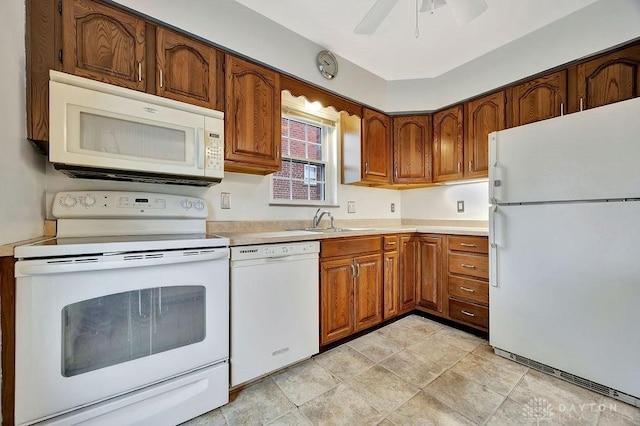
(308, 175)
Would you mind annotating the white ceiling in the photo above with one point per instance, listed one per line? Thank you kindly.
(393, 52)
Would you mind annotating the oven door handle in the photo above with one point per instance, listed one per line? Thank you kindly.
(26, 268)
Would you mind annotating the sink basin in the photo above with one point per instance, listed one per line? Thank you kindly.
(337, 229)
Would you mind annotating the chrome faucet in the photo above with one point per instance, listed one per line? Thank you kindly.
(318, 217)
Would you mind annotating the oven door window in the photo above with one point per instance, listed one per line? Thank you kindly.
(117, 328)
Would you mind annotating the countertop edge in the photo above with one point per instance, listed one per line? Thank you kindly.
(250, 238)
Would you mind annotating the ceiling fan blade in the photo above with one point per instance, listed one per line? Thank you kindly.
(428, 7)
(465, 11)
(375, 16)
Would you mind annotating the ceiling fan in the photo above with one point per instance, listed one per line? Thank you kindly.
(464, 11)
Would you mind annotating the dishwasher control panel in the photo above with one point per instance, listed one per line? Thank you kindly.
(266, 251)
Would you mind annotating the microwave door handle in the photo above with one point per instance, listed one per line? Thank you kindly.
(200, 148)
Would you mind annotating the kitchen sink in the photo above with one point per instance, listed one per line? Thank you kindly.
(328, 230)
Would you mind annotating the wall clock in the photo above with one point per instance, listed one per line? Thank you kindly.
(327, 64)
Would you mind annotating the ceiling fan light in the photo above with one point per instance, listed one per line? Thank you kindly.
(426, 5)
(465, 11)
(375, 16)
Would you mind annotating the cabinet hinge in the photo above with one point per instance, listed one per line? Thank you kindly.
(60, 55)
(60, 7)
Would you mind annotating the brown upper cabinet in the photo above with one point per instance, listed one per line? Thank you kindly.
(376, 147)
(539, 99)
(103, 44)
(447, 144)
(411, 149)
(252, 117)
(483, 116)
(608, 79)
(188, 70)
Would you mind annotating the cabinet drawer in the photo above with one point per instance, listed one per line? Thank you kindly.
(469, 313)
(349, 246)
(468, 288)
(390, 242)
(469, 264)
(470, 244)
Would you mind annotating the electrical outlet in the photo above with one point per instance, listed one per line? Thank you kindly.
(351, 206)
(460, 206)
(393, 207)
(225, 200)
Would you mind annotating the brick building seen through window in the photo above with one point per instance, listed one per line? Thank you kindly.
(303, 173)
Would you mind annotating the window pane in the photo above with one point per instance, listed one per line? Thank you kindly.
(314, 152)
(281, 189)
(299, 179)
(109, 330)
(285, 171)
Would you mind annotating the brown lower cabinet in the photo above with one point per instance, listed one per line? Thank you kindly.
(429, 288)
(467, 279)
(391, 298)
(408, 273)
(350, 286)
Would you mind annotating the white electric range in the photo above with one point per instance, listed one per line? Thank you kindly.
(123, 318)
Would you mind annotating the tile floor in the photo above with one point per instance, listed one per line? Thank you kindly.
(416, 372)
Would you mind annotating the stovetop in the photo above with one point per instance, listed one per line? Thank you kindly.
(78, 246)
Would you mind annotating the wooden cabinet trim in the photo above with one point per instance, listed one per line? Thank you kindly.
(315, 94)
(8, 325)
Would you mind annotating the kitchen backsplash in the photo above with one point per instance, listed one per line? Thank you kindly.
(249, 199)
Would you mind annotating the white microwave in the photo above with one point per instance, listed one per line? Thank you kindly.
(101, 131)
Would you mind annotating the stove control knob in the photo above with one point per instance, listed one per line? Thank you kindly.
(186, 204)
(199, 205)
(89, 201)
(68, 201)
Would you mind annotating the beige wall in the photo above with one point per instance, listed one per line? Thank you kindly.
(22, 177)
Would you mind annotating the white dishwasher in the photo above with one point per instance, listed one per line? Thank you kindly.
(274, 307)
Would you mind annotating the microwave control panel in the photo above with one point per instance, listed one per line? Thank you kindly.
(214, 151)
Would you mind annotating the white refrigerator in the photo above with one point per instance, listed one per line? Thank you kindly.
(564, 232)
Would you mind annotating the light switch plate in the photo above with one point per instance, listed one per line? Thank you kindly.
(393, 207)
(351, 206)
(460, 206)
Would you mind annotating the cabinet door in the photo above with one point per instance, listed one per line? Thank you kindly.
(103, 44)
(610, 78)
(252, 118)
(408, 274)
(539, 99)
(187, 70)
(411, 149)
(483, 116)
(376, 147)
(390, 284)
(336, 299)
(368, 291)
(447, 144)
(430, 284)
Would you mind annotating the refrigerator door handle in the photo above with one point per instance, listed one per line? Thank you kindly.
(493, 164)
(493, 254)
